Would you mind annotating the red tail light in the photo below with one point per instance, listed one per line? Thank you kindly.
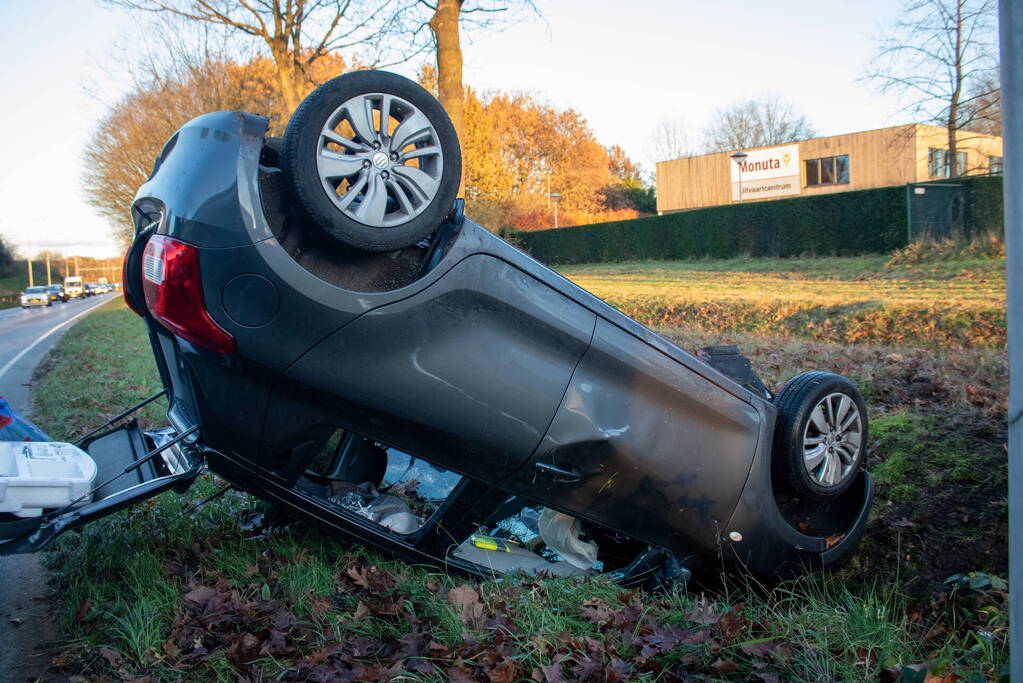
(124, 285)
(170, 279)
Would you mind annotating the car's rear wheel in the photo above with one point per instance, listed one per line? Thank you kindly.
(820, 436)
(372, 160)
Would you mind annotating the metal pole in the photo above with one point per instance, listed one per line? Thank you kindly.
(30, 283)
(555, 214)
(738, 158)
(49, 280)
(1011, 32)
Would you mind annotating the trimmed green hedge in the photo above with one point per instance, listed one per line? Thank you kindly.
(984, 211)
(840, 224)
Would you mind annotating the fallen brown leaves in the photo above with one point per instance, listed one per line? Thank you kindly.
(382, 623)
(466, 600)
(972, 383)
(386, 633)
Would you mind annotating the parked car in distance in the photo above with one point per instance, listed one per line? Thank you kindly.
(57, 293)
(35, 296)
(73, 286)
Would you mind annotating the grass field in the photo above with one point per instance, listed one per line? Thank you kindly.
(958, 303)
(229, 591)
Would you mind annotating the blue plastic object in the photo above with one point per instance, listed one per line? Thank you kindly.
(13, 427)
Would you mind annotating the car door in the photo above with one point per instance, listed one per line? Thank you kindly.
(467, 373)
(644, 444)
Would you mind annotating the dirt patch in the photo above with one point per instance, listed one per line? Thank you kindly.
(46, 365)
(941, 501)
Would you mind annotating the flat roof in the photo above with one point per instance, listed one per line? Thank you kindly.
(825, 137)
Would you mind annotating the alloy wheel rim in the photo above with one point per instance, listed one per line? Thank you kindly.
(832, 439)
(379, 159)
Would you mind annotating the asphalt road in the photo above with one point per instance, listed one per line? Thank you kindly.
(27, 626)
(26, 334)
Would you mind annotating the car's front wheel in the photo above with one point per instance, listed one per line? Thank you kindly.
(372, 160)
(820, 437)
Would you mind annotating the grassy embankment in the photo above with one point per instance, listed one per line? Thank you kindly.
(203, 596)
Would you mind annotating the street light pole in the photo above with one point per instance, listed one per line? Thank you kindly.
(1011, 26)
(738, 158)
(554, 198)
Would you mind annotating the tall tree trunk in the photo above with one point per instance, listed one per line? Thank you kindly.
(289, 77)
(444, 25)
(953, 104)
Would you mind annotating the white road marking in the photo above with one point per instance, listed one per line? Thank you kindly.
(46, 334)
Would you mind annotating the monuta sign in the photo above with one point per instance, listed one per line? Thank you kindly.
(766, 173)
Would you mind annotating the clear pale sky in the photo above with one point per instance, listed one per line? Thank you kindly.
(623, 66)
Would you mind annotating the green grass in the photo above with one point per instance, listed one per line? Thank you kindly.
(101, 366)
(953, 303)
(127, 584)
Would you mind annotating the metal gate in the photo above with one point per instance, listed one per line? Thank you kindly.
(936, 211)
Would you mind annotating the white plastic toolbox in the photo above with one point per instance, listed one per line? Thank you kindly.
(42, 474)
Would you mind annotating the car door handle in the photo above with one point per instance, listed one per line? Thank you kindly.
(560, 476)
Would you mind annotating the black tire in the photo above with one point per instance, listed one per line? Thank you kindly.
(794, 403)
(302, 141)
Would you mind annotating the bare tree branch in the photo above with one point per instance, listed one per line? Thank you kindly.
(756, 123)
(670, 139)
(937, 53)
(286, 27)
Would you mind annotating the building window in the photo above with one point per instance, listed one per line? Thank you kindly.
(994, 165)
(939, 160)
(827, 171)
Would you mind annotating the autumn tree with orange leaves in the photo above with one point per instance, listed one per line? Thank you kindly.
(128, 139)
(516, 149)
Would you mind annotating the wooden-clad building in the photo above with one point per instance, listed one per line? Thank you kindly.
(856, 161)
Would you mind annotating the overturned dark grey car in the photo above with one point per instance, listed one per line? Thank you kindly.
(336, 338)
